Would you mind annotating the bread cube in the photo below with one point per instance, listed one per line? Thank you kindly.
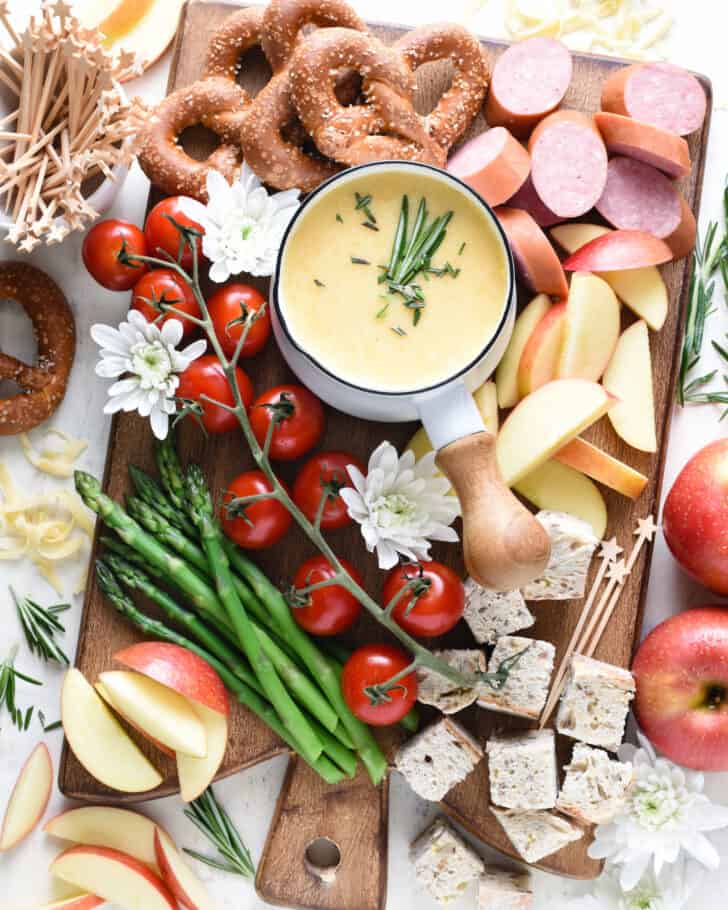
(595, 787)
(595, 702)
(444, 863)
(437, 690)
(522, 770)
(537, 834)
(526, 689)
(573, 543)
(501, 889)
(490, 614)
(436, 759)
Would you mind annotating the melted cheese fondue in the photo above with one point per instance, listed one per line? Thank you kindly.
(345, 309)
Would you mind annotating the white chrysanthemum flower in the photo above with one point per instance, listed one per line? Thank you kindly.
(666, 813)
(668, 891)
(146, 356)
(401, 506)
(243, 224)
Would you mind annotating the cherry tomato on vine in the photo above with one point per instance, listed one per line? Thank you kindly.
(435, 602)
(298, 416)
(367, 669)
(165, 286)
(205, 376)
(231, 303)
(329, 610)
(161, 234)
(258, 525)
(325, 474)
(101, 248)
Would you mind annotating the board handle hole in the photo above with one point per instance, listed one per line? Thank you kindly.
(322, 859)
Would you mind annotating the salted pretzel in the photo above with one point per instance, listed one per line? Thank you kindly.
(215, 103)
(235, 37)
(459, 105)
(43, 385)
(387, 126)
(285, 21)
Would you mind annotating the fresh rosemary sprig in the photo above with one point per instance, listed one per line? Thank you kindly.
(212, 820)
(40, 626)
(8, 675)
(362, 204)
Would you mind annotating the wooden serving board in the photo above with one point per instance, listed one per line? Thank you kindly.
(352, 814)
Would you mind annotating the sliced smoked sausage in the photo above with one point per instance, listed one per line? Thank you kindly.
(535, 258)
(655, 146)
(528, 199)
(493, 163)
(639, 197)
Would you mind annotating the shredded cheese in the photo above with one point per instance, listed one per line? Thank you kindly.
(47, 528)
(58, 462)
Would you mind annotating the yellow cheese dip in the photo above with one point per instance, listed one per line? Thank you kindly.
(356, 327)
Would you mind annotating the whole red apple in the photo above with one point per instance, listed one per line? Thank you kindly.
(681, 671)
(695, 517)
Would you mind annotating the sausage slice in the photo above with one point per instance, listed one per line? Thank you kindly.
(493, 163)
(651, 144)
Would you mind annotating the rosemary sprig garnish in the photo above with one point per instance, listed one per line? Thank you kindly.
(362, 205)
(8, 676)
(40, 627)
(383, 312)
(462, 247)
(48, 728)
(339, 218)
(212, 820)
(368, 224)
(319, 284)
(357, 260)
(398, 330)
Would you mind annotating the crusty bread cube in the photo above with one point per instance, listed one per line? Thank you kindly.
(538, 833)
(436, 759)
(490, 614)
(522, 770)
(595, 787)
(595, 702)
(437, 690)
(525, 691)
(502, 889)
(444, 863)
(573, 543)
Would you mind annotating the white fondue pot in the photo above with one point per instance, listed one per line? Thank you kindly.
(505, 547)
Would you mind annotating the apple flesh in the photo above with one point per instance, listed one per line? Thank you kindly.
(545, 421)
(591, 328)
(681, 673)
(100, 743)
(541, 352)
(695, 517)
(506, 374)
(196, 774)
(558, 488)
(29, 798)
(629, 378)
(617, 251)
(178, 876)
(115, 876)
(597, 464)
(79, 902)
(103, 692)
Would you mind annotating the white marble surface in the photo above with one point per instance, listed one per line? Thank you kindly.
(250, 796)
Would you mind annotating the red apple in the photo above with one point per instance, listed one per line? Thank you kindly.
(681, 671)
(695, 517)
(617, 251)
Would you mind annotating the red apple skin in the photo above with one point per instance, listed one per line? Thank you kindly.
(695, 517)
(680, 663)
(178, 669)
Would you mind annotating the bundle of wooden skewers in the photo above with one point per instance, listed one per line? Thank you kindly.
(70, 123)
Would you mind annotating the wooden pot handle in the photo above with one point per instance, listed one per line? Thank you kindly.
(505, 547)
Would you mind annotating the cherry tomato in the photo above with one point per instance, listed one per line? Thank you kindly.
(230, 303)
(299, 417)
(161, 234)
(329, 610)
(165, 286)
(436, 601)
(101, 248)
(205, 376)
(373, 665)
(260, 524)
(330, 469)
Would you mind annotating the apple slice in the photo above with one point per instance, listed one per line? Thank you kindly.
(29, 798)
(178, 876)
(642, 290)
(115, 876)
(545, 421)
(619, 250)
(591, 328)
(157, 710)
(105, 694)
(78, 902)
(100, 743)
(506, 374)
(597, 464)
(177, 669)
(107, 826)
(541, 353)
(629, 378)
(558, 488)
(196, 774)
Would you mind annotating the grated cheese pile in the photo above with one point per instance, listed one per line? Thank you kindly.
(58, 462)
(627, 28)
(48, 528)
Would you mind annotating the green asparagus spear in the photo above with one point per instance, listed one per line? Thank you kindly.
(149, 490)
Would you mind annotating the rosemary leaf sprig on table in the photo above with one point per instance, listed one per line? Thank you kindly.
(40, 626)
(8, 676)
(212, 820)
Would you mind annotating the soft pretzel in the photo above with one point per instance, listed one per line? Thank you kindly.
(44, 384)
(237, 35)
(357, 134)
(460, 104)
(285, 20)
(216, 103)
